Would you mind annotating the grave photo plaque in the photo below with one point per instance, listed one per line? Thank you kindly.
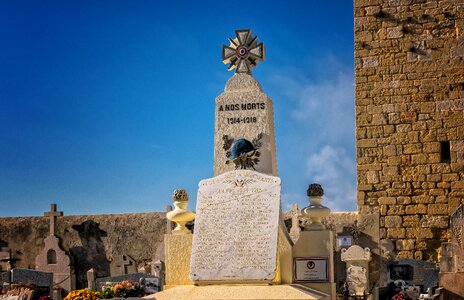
(236, 228)
(311, 269)
(401, 272)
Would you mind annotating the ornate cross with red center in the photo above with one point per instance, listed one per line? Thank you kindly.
(243, 53)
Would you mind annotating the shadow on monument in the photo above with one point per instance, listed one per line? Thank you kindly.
(91, 254)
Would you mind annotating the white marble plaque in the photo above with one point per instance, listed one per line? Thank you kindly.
(236, 227)
(311, 269)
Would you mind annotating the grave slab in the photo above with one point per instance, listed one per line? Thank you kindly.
(38, 278)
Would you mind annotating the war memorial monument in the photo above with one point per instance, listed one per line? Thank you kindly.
(406, 239)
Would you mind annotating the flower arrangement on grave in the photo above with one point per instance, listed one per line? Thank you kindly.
(83, 294)
(405, 295)
(122, 289)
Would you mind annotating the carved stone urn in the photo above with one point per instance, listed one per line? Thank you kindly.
(180, 215)
(315, 211)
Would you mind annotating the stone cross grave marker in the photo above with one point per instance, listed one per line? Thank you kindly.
(236, 228)
(123, 265)
(53, 214)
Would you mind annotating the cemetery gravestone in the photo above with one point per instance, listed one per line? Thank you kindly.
(54, 259)
(357, 269)
(38, 278)
(413, 272)
(6, 259)
(123, 265)
(91, 276)
(236, 228)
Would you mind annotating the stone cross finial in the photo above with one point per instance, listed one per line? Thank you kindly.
(53, 214)
(243, 53)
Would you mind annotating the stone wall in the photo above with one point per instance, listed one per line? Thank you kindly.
(93, 241)
(409, 60)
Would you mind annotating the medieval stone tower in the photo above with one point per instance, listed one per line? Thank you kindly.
(409, 57)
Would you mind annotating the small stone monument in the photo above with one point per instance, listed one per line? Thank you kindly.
(357, 269)
(313, 263)
(123, 265)
(54, 259)
(91, 276)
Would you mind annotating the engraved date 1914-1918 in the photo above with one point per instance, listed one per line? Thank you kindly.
(244, 120)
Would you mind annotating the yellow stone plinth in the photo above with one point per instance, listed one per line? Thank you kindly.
(240, 292)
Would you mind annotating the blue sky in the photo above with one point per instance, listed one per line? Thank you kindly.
(108, 106)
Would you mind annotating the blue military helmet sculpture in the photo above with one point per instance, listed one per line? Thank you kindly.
(240, 147)
(243, 153)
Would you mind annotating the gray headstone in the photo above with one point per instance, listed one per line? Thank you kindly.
(416, 272)
(38, 278)
(5, 277)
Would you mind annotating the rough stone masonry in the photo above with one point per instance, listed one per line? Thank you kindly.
(409, 58)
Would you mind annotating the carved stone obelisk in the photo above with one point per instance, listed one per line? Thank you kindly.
(244, 128)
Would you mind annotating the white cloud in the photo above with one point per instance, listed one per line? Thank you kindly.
(320, 121)
(334, 170)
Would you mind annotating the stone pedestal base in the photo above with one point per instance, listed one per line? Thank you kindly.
(178, 249)
(240, 292)
(317, 244)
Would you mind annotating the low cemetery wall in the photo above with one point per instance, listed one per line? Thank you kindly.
(93, 241)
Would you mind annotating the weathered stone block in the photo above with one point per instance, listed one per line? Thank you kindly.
(387, 200)
(424, 199)
(411, 221)
(416, 209)
(438, 209)
(396, 233)
(405, 255)
(393, 221)
(434, 221)
(419, 233)
(395, 210)
(418, 255)
(370, 61)
(404, 245)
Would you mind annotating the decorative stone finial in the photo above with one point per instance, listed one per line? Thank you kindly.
(315, 190)
(243, 53)
(180, 215)
(315, 211)
(180, 195)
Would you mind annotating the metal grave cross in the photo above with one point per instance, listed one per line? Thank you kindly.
(53, 214)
